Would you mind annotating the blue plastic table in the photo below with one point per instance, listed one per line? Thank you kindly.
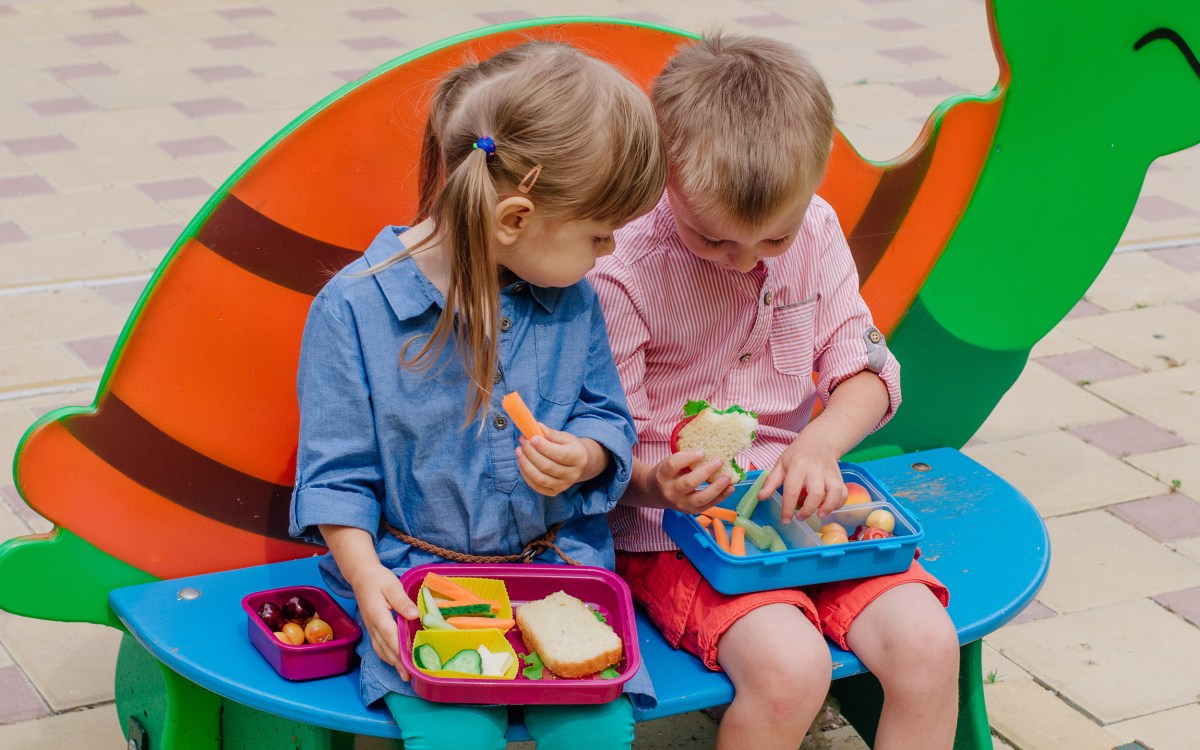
(982, 539)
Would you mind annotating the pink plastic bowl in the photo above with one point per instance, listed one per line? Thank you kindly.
(310, 660)
(598, 588)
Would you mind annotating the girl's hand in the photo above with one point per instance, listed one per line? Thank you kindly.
(679, 485)
(379, 595)
(553, 463)
(811, 480)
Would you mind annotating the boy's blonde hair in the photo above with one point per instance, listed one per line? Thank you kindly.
(748, 123)
(591, 131)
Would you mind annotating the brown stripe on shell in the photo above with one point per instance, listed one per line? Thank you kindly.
(279, 254)
(129, 443)
(889, 205)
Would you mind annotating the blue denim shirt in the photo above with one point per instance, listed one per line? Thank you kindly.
(377, 440)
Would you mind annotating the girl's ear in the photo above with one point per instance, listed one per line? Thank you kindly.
(512, 219)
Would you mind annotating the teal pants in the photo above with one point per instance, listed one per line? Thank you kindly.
(448, 726)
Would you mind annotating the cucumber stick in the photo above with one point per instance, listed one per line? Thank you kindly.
(749, 501)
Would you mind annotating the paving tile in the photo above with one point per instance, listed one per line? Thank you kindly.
(930, 87)
(371, 43)
(61, 259)
(158, 237)
(23, 185)
(105, 167)
(10, 232)
(1150, 338)
(1177, 468)
(1158, 208)
(185, 187)
(293, 92)
(68, 105)
(766, 21)
(222, 73)
(1185, 603)
(1115, 663)
(116, 11)
(98, 39)
(237, 41)
(1174, 729)
(19, 701)
(1035, 610)
(1189, 548)
(1088, 366)
(1193, 305)
(80, 70)
(70, 663)
(93, 352)
(1083, 309)
(11, 526)
(1186, 258)
(895, 23)
(1168, 398)
(46, 317)
(95, 727)
(237, 14)
(24, 366)
(1127, 436)
(503, 16)
(373, 15)
(1098, 560)
(911, 54)
(122, 296)
(158, 85)
(1061, 474)
(207, 144)
(39, 145)
(84, 211)
(218, 105)
(129, 127)
(1165, 518)
(1030, 717)
(1133, 280)
(1041, 401)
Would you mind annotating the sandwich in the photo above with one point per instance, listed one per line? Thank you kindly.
(718, 433)
(568, 636)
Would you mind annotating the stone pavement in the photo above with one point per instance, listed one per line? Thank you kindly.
(118, 120)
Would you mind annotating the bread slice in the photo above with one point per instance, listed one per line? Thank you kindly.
(568, 636)
(720, 434)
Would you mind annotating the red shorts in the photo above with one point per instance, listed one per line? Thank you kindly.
(692, 615)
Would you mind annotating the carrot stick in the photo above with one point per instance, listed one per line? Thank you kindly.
(725, 514)
(474, 623)
(737, 540)
(704, 520)
(521, 416)
(719, 533)
(449, 589)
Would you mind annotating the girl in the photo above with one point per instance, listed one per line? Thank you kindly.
(531, 159)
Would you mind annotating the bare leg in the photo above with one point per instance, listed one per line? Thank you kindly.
(908, 642)
(780, 667)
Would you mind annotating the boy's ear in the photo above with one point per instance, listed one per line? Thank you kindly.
(512, 218)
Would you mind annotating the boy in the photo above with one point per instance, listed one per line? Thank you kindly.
(735, 289)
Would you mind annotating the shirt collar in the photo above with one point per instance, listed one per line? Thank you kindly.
(410, 293)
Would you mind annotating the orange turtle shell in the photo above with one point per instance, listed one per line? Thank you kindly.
(185, 464)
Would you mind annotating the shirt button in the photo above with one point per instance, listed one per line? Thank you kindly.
(744, 358)
(497, 378)
(518, 286)
(500, 422)
(505, 324)
(767, 298)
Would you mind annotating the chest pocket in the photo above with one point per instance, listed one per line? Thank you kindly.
(562, 362)
(792, 337)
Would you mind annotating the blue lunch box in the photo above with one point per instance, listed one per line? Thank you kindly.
(807, 560)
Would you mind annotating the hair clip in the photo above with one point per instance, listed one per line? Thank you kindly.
(530, 178)
(487, 144)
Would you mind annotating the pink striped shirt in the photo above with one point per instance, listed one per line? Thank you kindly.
(684, 328)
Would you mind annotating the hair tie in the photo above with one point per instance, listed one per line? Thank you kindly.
(487, 144)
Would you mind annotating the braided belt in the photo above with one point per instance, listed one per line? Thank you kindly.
(526, 555)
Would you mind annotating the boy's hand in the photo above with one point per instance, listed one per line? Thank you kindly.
(379, 594)
(553, 463)
(811, 479)
(679, 485)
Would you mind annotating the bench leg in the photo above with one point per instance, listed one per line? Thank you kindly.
(159, 709)
(861, 699)
(245, 728)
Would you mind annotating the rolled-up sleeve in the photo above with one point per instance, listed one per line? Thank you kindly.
(602, 415)
(847, 341)
(338, 478)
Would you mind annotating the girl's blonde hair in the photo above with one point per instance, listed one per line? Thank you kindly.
(591, 131)
(748, 123)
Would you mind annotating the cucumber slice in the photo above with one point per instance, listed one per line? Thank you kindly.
(426, 657)
(749, 501)
(467, 660)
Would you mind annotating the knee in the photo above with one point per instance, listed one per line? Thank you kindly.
(921, 656)
(793, 682)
